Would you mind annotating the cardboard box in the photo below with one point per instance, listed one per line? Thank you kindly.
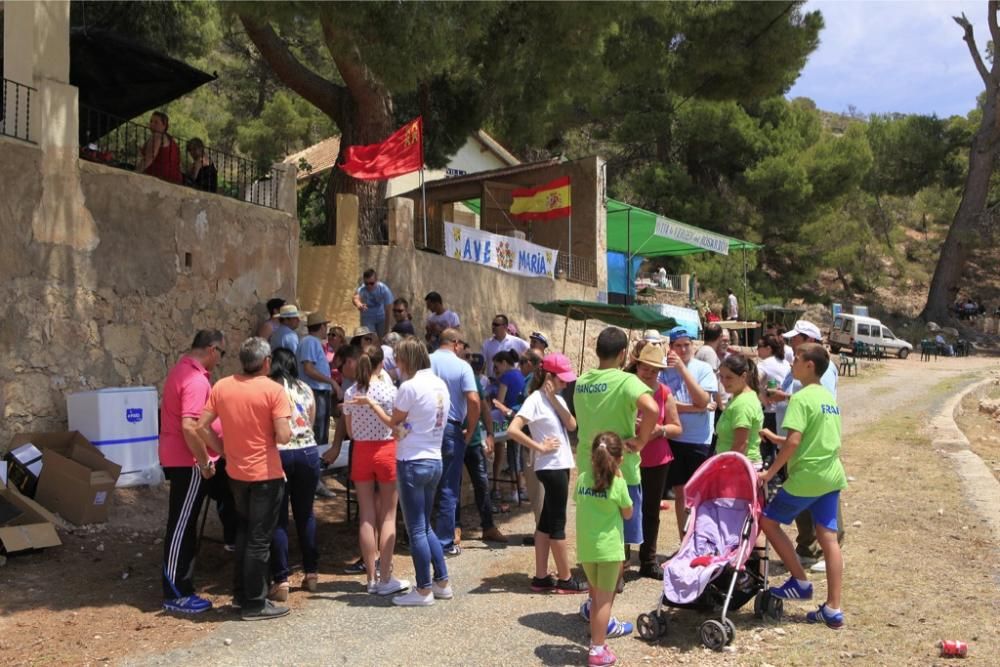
(25, 465)
(76, 480)
(25, 526)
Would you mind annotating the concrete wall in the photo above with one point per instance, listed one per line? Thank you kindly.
(107, 274)
(329, 274)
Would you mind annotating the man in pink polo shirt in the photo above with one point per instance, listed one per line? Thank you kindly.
(190, 467)
(255, 413)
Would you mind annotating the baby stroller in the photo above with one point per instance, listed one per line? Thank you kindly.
(717, 566)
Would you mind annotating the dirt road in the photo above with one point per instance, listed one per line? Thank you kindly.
(895, 510)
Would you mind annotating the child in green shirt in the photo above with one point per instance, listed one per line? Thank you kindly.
(739, 427)
(815, 480)
(602, 505)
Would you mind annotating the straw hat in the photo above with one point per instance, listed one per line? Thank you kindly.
(289, 311)
(316, 318)
(652, 355)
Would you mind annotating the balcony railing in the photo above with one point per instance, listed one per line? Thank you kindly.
(15, 110)
(658, 281)
(119, 143)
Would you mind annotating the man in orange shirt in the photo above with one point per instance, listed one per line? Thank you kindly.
(255, 413)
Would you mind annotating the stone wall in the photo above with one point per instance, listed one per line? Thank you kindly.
(107, 274)
(328, 275)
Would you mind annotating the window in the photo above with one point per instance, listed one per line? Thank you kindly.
(847, 326)
(838, 323)
(864, 330)
(886, 333)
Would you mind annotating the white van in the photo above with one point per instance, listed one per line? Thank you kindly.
(848, 329)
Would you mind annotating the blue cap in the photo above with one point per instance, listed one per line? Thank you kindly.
(678, 332)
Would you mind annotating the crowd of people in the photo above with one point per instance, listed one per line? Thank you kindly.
(420, 413)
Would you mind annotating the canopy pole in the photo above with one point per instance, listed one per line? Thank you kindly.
(566, 328)
(583, 345)
(570, 262)
(746, 305)
(628, 255)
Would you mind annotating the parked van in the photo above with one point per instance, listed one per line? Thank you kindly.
(849, 329)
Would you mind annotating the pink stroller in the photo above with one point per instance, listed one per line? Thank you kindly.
(717, 565)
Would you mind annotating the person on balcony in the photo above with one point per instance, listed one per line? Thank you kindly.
(201, 172)
(160, 156)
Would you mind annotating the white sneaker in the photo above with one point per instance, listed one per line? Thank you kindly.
(392, 586)
(373, 587)
(442, 592)
(819, 566)
(414, 599)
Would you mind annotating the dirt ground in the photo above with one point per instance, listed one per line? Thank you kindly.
(919, 567)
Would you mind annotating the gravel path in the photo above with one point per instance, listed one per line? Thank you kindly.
(494, 618)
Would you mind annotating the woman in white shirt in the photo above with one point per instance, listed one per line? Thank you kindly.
(373, 459)
(419, 415)
(772, 370)
(549, 422)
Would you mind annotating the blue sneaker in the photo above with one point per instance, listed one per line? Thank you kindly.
(791, 590)
(618, 628)
(585, 610)
(192, 604)
(833, 620)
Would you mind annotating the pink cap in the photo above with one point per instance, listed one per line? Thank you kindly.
(560, 366)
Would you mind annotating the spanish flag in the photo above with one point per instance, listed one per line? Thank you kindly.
(546, 202)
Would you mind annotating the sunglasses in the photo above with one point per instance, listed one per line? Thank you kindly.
(370, 284)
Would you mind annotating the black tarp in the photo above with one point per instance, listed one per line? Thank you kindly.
(123, 79)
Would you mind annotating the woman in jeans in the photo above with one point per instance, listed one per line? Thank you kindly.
(656, 455)
(549, 421)
(300, 461)
(419, 415)
(374, 460)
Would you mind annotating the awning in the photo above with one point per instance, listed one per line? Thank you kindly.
(632, 230)
(626, 317)
(123, 78)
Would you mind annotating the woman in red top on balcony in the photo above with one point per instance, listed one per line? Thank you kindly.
(160, 156)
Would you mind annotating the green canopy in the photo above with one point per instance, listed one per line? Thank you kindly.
(626, 317)
(632, 231)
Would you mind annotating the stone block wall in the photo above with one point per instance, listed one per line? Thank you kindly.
(107, 274)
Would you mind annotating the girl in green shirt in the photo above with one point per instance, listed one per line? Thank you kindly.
(739, 427)
(602, 506)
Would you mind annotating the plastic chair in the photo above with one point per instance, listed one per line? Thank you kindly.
(848, 365)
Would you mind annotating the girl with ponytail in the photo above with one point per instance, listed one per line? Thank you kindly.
(374, 460)
(602, 506)
(739, 426)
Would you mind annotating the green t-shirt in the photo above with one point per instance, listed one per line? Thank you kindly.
(604, 400)
(600, 529)
(815, 468)
(477, 436)
(744, 411)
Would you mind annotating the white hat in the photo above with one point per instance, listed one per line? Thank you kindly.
(806, 328)
(652, 336)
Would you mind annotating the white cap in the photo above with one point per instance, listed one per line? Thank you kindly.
(806, 328)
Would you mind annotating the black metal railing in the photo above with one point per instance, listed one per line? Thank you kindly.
(577, 269)
(123, 144)
(15, 110)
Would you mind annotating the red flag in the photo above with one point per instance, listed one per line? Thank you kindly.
(401, 153)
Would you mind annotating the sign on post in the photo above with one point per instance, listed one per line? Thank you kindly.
(678, 231)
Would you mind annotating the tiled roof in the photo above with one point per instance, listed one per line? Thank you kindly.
(321, 157)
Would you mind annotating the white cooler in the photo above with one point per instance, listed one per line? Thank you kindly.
(123, 422)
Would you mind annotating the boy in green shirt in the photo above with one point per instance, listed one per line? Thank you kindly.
(815, 480)
(609, 399)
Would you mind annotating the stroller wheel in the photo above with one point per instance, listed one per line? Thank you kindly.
(713, 634)
(775, 608)
(648, 626)
(730, 630)
(760, 604)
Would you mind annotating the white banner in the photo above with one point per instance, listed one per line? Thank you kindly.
(678, 231)
(505, 253)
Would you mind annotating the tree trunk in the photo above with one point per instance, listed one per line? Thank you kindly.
(966, 229)
(363, 124)
(970, 220)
